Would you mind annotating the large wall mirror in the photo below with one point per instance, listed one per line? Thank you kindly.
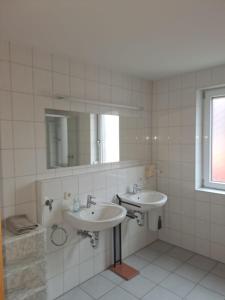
(75, 138)
(78, 138)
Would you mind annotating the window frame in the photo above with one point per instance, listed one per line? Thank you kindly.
(208, 95)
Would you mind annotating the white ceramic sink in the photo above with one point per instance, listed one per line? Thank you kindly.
(144, 200)
(96, 218)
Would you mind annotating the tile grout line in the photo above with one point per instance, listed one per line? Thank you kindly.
(183, 262)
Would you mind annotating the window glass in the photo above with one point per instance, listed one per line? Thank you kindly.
(218, 139)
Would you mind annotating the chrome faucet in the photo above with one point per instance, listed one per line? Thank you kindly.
(89, 201)
(136, 188)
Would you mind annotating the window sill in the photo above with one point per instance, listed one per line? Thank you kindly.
(208, 190)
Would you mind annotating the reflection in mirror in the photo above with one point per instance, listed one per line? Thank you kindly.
(75, 138)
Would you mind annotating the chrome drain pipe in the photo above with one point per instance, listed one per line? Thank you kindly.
(92, 235)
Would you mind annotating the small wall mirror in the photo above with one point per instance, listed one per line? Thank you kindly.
(75, 138)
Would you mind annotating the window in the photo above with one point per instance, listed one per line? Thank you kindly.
(108, 136)
(214, 139)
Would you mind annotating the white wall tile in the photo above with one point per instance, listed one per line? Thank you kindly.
(21, 54)
(175, 99)
(71, 278)
(55, 287)
(61, 104)
(85, 183)
(188, 97)
(23, 133)
(42, 59)
(23, 107)
(86, 270)
(4, 75)
(60, 64)
(22, 167)
(77, 69)
(204, 78)
(203, 229)
(8, 192)
(4, 50)
(188, 116)
(61, 85)
(29, 209)
(40, 104)
(54, 269)
(202, 247)
(91, 72)
(70, 185)
(105, 76)
(218, 75)
(217, 214)
(5, 106)
(218, 252)
(6, 135)
(7, 163)
(188, 80)
(8, 211)
(41, 159)
(162, 101)
(203, 210)
(217, 234)
(52, 189)
(25, 162)
(202, 216)
(71, 256)
(77, 87)
(99, 181)
(105, 93)
(42, 82)
(175, 83)
(25, 189)
(91, 90)
(22, 79)
(40, 134)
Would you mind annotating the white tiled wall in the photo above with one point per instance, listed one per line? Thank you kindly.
(193, 219)
(28, 79)
(77, 260)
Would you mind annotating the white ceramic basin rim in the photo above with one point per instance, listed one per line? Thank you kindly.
(97, 217)
(145, 200)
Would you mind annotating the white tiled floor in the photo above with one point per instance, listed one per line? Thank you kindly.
(166, 273)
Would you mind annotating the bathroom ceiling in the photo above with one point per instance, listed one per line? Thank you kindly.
(149, 38)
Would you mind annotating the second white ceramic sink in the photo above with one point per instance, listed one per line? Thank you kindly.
(97, 217)
(145, 200)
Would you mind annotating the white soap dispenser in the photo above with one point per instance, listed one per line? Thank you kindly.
(76, 204)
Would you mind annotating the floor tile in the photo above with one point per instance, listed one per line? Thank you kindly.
(202, 262)
(75, 293)
(112, 276)
(136, 262)
(166, 273)
(118, 294)
(178, 285)
(201, 293)
(180, 253)
(154, 273)
(97, 286)
(167, 262)
(190, 272)
(148, 254)
(160, 246)
(215, 283)
(138, 286)
(160, 293)
(219, 270)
